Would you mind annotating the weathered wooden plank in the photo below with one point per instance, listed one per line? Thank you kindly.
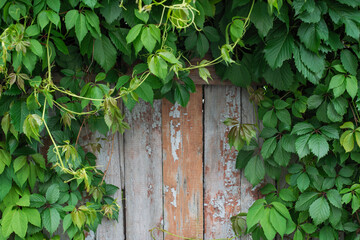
(110, 147)
(143, 172)
(248, 193)
(222, 179)
(183, 167)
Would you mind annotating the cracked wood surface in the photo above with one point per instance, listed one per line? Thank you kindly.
(176, 168)
(143, 171)
(183, 167)
(222, 180)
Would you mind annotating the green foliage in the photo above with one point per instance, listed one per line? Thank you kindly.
(306, 64)
(303, 55)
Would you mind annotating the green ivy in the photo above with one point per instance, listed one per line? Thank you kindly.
(65, 65)
(305, 59)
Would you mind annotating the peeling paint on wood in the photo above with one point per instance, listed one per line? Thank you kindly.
(111, 229)
(143, 172)
(183, 167)
(222, 180)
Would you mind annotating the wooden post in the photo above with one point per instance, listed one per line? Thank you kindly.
(143, 172)
(223, 189)
(183, 167)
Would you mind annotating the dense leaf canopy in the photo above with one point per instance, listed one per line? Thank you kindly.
(66, 64)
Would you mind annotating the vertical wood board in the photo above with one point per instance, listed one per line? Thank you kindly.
(111, 229)
(143, 171)
(222, 179)
(183, 167)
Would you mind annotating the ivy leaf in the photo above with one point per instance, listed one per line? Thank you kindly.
(237, 29)
(261, 18)
(308, 228)
(18, 114)
(279, 47)
(318, 145)
(54, 5)
(302, 128)
(270, 119)
(145, 92)
(319, 210)
(5, 157)
(81, 29)
(277, 221)
(352, 86)
(347, 140)
(134, 33)
(158, 66)
(118, 39)
(105, 53)
(330, 131)
(53, 193)
(255, 170)
(19, 223)
(303, 182)
(298, 235)
(6, 184)
(19, 162)
(255, 213)
(53, 17)
(349, 61)
(268, 147)
(182, 95)
(90, 3)
(42, 19)
(202, 45)
(281, 78)
(110, 11)
(269, 231)
(284, 116)
(33, 216)
(301, 145)
(311, 35)
(334, 198)
(71, 18)
(6, 221)
(51, 219)
(36, 47)
(37, 200)
(147, 39)
(67, 222)
(93, 20)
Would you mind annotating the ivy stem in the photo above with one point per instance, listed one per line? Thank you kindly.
(356, 112)
(355, 118)
(51, 137)
(357, 216)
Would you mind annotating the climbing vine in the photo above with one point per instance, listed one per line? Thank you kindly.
(65, 65)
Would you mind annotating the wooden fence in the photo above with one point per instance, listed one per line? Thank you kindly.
(176, 170)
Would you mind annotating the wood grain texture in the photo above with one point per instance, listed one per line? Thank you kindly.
(111, 229)
(183, 167)
(222, 179)
(143, 171)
